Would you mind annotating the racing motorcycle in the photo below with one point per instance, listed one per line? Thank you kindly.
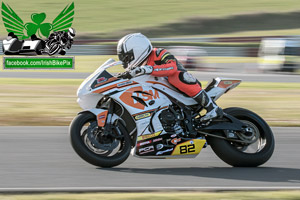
(57, 46)
(149, 118)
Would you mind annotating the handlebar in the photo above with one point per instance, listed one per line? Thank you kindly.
(124, 75)
(127, 75)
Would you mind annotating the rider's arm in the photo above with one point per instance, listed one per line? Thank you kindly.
(165, 66)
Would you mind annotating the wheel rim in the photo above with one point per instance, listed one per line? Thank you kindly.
(253, 135)
(93, 147)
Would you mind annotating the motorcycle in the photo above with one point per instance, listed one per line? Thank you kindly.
(148, 117)
(56, 46)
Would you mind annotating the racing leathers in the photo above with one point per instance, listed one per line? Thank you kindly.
(163, 64)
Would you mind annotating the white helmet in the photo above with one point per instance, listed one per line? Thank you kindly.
(133, 49)
(71, 33)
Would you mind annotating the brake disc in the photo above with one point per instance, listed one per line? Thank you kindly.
(252, 133)
(93, 136)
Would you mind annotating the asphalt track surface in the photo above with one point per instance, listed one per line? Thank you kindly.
(42, 159)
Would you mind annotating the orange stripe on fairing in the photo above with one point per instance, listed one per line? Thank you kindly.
(113, 86)
(101, 118)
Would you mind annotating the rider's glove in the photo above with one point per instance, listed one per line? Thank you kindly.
(145, 69)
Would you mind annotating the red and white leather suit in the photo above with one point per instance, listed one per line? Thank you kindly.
(166, 65)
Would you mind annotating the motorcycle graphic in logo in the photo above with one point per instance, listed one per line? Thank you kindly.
(61, 36)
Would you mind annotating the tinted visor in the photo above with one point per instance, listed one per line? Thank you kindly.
(127, 57)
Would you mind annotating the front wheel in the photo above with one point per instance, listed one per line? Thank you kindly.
(261, 141)
(95, 146)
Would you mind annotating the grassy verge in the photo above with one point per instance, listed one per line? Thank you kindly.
(290, 195)
(53, 101)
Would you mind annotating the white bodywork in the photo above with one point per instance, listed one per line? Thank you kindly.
(159, 87)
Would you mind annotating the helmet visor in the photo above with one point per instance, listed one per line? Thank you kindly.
(126, 57)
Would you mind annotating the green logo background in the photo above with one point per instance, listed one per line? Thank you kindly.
(13, 23)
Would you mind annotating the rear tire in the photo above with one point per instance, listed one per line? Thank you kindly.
(90, 153)
(233, 154)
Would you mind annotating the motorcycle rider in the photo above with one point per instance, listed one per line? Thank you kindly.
(139, 57)
(61, 36)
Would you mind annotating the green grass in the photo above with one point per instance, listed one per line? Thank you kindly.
(113, 18)
(242, 195)
(40, 102)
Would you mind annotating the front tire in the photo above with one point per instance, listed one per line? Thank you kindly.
(239, 155)
(89, 152)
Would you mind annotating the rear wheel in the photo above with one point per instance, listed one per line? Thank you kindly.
(259, 141)
(96, 147)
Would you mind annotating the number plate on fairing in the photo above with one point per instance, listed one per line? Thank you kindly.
(168, 146)
(190, 147)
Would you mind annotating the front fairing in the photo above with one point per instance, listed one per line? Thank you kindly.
(87, 99)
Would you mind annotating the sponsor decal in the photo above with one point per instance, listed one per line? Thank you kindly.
(164, 69)
(174, 135)
(175, 140)
(102, 118)
(157, 140)
(124, 83)
(165, 151)
(146, 95)
(145, 137)
(145, 114)
(142, 116)
(227, 82)
(144, 143)
(159, 146)
(101, 80)
(146, 150)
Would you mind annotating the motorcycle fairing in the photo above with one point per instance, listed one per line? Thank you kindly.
(145, 97)
(218, 86)
(159, 145)
(102, 116)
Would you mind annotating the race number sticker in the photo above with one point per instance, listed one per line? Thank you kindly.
(189, 147)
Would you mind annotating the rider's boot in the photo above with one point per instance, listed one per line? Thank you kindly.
(212, 110)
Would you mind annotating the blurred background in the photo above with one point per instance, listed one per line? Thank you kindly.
(257, 41)
(262, 33)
